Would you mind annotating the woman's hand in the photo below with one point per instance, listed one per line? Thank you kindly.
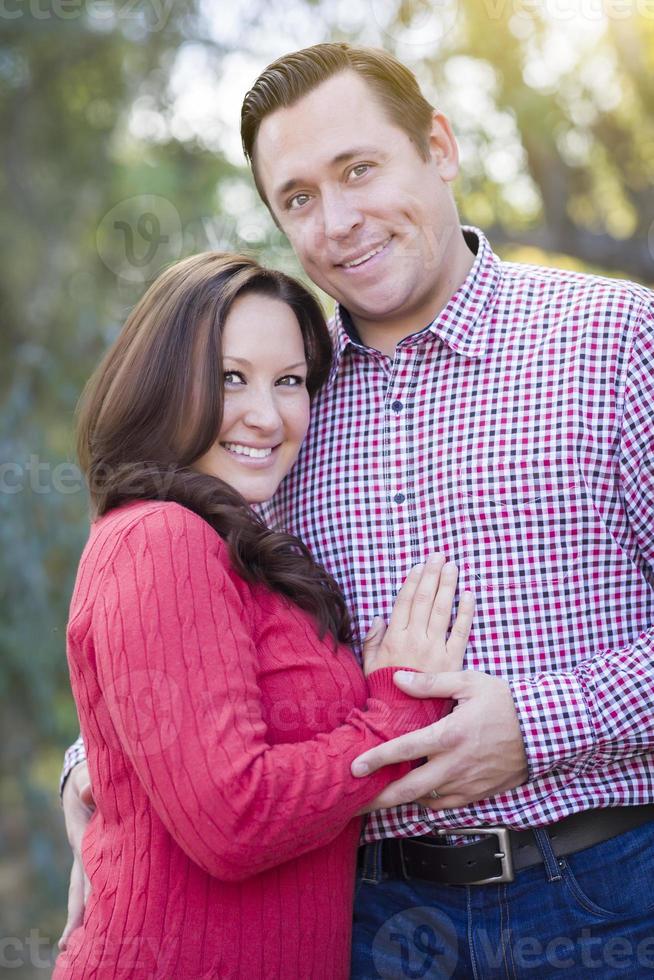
(416, 636)
(78, 807)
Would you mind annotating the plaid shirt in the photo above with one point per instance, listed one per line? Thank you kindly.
(516, 435)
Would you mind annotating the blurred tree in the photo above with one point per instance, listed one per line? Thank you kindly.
(553, 104)
(72, 154)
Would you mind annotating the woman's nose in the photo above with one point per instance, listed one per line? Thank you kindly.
(262, 412)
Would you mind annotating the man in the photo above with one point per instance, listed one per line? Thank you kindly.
(501, 414)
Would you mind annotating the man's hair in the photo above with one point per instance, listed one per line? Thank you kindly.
(291, 77)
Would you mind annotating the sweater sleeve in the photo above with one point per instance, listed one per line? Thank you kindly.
(176, 666)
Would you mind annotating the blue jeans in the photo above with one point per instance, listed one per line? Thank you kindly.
(588, 915)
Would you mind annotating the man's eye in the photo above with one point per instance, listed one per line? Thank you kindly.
(291, 380)
(233, 377)
(360, 169)
(297, 201)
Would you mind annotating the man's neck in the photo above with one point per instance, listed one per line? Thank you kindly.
(385, 337)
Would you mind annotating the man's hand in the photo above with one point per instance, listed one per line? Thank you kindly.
(78, 807)
(475, 752)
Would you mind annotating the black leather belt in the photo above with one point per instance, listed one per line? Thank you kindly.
(501, 851)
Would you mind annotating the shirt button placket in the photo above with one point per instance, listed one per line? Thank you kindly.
(397, 407)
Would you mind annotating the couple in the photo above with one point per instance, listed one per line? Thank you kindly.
(497, 414)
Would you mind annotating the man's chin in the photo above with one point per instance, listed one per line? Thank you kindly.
(384, 309)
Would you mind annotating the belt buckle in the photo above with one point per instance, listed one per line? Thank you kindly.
(503, 854)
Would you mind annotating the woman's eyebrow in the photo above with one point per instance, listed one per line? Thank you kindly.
(244, 360)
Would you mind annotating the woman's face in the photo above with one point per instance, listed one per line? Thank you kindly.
(266, 413)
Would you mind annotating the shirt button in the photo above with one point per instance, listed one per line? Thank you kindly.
(397, 406)
(399, 498)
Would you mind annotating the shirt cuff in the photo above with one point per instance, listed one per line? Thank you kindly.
(75, 754)
(556, 727)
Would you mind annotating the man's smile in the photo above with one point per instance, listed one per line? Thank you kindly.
(365, 256)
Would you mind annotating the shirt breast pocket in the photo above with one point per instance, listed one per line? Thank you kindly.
(514, 481)
(525, 518)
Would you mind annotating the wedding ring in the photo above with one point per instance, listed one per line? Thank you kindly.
(435, 795)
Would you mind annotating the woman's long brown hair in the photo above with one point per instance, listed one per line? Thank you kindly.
(154, 405)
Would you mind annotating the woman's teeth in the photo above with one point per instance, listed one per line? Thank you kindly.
(234, 447)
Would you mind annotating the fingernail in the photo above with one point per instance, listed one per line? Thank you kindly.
(406, 676)
(435, 559)
(359, 769)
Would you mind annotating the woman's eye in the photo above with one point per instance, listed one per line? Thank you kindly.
(291, 380)
(233, 377)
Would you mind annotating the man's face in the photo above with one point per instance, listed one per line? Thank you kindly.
(369, 219)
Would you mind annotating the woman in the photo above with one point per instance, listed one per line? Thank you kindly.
(220, 705)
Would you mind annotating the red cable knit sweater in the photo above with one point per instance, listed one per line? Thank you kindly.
(220, 731)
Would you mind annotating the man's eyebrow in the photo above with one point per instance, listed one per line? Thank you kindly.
(357, 151)
(244, 360)
(340, 158)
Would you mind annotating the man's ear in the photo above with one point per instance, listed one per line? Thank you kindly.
(443, 147)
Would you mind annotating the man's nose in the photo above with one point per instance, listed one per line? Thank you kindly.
(340, 215)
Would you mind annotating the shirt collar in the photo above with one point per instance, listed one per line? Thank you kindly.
(461, 323)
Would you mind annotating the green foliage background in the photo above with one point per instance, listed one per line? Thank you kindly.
(556, 126)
